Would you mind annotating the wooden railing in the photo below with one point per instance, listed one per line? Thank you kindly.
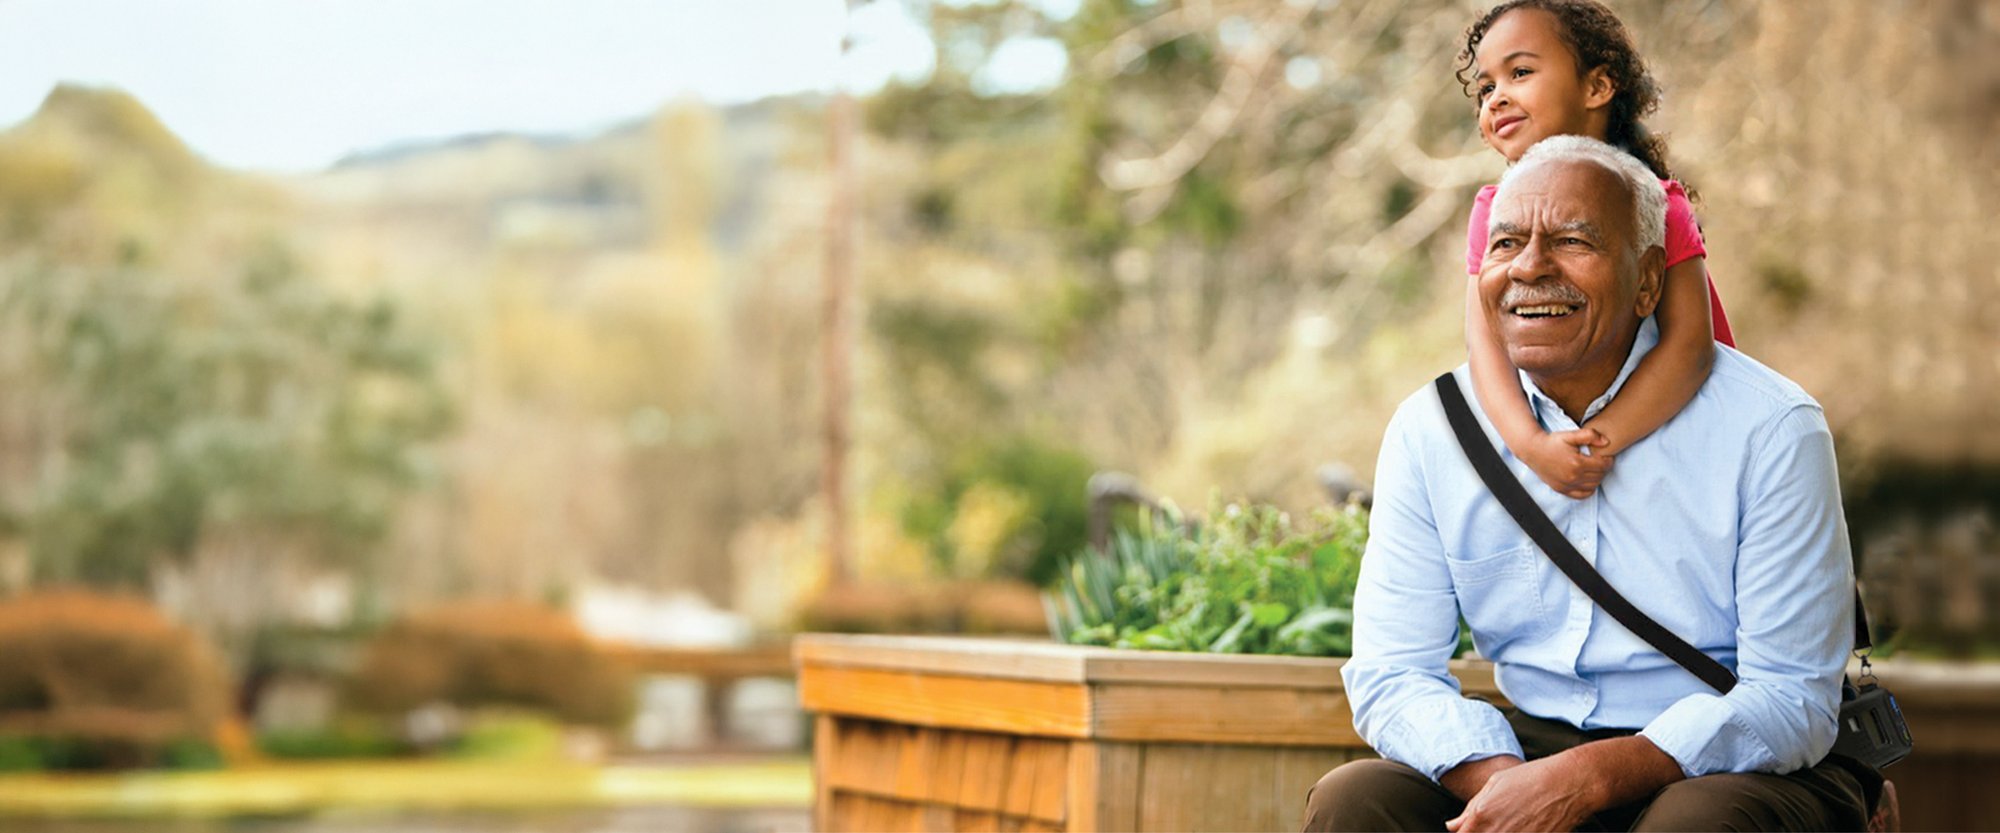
(719, 669)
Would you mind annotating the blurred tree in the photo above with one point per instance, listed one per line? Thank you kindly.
(256, 414)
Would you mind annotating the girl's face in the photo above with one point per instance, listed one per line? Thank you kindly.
(1528, 87)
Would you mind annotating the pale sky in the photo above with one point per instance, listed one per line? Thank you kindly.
(292, 85)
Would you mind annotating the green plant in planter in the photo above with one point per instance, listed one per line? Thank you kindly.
(1250, 581)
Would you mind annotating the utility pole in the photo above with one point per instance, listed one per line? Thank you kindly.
(836, 336)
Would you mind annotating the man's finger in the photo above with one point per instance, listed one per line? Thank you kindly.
(1580, 437)
(1453, 824)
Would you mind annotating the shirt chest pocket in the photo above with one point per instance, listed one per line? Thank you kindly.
(1500, 596)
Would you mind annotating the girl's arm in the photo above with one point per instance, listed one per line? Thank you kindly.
(1667, 378)
(1555, 458)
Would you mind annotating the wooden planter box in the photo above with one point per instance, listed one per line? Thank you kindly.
(938, 733)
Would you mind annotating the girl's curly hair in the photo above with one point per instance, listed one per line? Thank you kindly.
(1598, 39)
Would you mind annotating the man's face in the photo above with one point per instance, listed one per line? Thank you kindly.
(1560, 283)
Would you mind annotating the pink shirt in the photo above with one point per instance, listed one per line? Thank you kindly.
(1683, 242)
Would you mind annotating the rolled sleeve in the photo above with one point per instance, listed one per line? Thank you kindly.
(1794, 580)
(1406, 703)
(1475, 230)
(1683, 234)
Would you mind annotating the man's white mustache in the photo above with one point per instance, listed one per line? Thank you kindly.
(1520, 296)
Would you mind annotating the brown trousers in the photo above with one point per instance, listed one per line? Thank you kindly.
(1385, 795)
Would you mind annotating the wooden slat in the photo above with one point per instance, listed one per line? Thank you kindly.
(885, 815)
(1298, 769)
(1007, 658)
(1116, 793)
(1030, 708)
(950, 768)
(836, 814)
(916, 763)
(826, 743)
(984, 784)
(1182, 668)
(1235, 788)
(907, 816)
(1165, 781)
(977, 821)
(1214, 714)
(1023, 761)
(1040, 772)
(938, 817)
(972, 775)
(1043, 661)
(852, 811)
(869, 762)
(873, 761)
(849, 759)
(1200, 787)
(1080, 807)
(1051, 781)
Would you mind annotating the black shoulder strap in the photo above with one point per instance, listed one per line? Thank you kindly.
(1862, 639)
(1500, 481)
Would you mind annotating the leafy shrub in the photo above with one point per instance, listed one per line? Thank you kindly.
(351, 736)
(478, 654)
(1009, 509)
(92, 681)
(19, 754)
(1248, 583)
(191, 753)
(502, 736)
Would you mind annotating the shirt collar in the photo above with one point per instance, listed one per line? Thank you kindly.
(1546, 408)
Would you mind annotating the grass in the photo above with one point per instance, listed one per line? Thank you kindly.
(298, 789)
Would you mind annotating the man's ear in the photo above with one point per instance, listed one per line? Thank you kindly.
(1598, 89)
(1652, 276)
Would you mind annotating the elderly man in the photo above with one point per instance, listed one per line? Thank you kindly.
(1725, 526)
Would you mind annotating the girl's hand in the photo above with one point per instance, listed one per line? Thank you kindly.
(1559, 460)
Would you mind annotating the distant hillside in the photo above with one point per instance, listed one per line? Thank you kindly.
(95, 173)
(592, 189)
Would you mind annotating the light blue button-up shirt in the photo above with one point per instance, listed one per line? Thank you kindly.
(1724, 525)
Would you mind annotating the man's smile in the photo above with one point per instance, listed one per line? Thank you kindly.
(1545, 310)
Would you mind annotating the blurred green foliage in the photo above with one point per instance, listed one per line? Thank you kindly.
(259, 402)
(509, 736)
(348, 736)
(1048, 522)
(80, 753)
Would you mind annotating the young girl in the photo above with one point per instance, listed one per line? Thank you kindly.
(1540, 68)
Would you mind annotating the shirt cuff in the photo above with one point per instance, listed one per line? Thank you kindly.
(1438, 739)
(1705, 736)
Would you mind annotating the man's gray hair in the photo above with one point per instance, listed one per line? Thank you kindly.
(1649, 198)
